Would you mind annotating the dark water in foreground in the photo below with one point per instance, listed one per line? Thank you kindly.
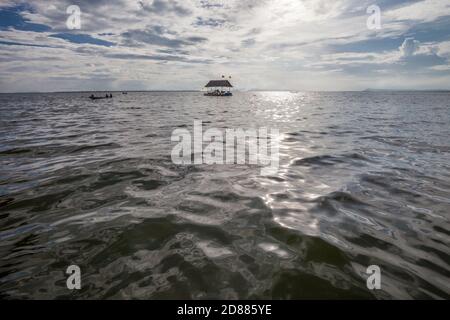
(364, 179)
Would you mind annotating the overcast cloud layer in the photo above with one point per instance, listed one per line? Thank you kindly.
(262, 44)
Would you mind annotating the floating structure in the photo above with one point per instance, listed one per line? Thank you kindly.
(218, 88)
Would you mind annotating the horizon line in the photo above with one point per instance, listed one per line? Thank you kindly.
(251, 90)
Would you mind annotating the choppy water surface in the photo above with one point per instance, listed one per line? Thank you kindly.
(364, 179)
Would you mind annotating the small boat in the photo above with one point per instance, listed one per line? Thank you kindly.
(107, 96)
(218, 93)
(215, 88)
(124, 92)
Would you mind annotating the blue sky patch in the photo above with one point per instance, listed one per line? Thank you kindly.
(369, 45)
(10, 17)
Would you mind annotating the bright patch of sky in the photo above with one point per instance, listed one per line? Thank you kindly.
(262, 44)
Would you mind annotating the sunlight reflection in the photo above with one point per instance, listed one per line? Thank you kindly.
(281, 106)
(294, 191)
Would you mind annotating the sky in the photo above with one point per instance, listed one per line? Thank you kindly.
(262, 44)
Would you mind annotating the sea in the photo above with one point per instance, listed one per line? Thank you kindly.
(362, 190)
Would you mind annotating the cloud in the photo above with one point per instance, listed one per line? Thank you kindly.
(10, 43)
(82, 38)
(158, 36)
(164, 7)
(209, 22)
(131, 56)
(173, 44)
(423, 11)
(409, 47)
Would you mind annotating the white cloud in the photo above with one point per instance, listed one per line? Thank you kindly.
(425, 11)
(262, 43)
(443, 49)
(409, 47)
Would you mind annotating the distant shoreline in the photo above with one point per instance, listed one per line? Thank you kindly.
(406, 90)
(97, 91)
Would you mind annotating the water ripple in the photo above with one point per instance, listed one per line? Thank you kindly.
(363, 179)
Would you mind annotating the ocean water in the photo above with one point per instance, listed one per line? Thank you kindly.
(364, 179)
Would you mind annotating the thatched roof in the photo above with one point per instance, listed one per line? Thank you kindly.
(218, 83)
